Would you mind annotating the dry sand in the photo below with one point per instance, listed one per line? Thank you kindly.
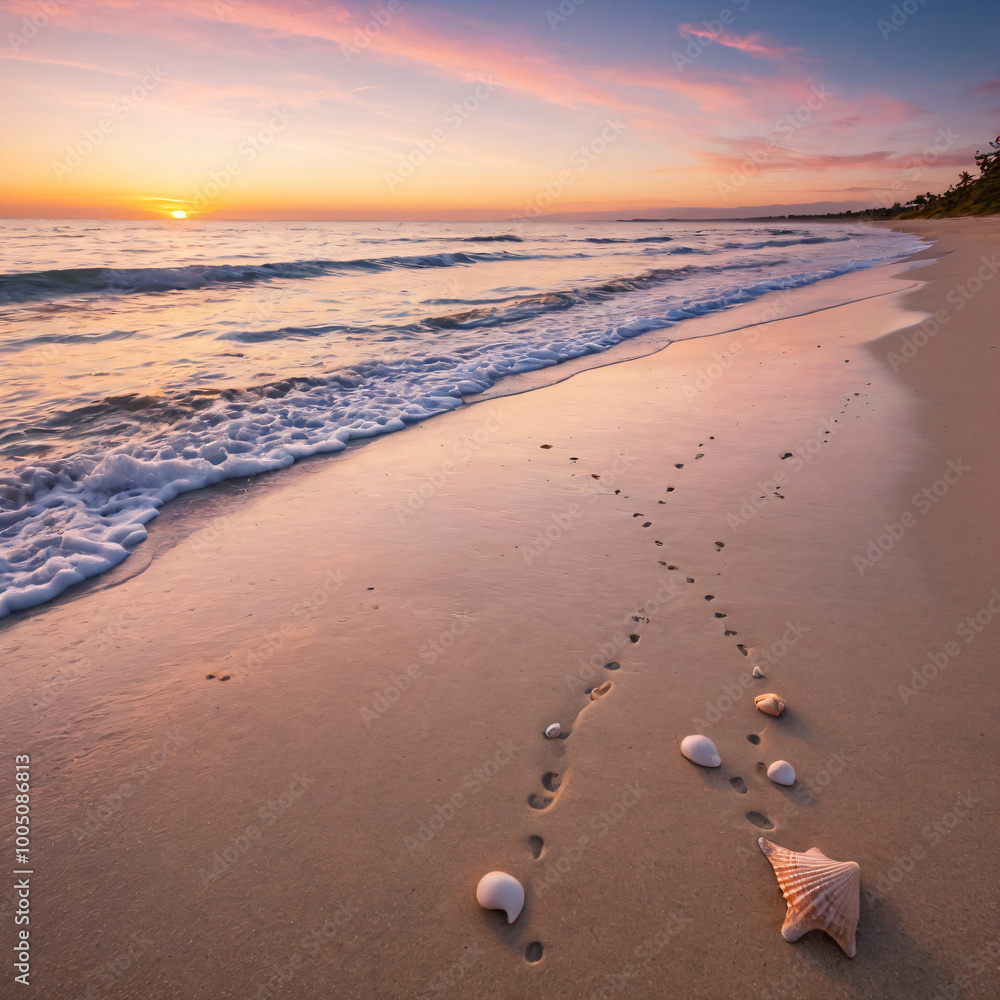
(400, 622)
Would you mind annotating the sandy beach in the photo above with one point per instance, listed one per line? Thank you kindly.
(274, 751)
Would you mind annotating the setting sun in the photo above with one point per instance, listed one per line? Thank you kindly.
(178, 214)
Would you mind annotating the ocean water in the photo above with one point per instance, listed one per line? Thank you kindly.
(143, 359)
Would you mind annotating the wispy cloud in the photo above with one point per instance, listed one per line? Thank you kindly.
(991, 88)
(362, 90)
(769, 157)
(750, 44)
(29, 57)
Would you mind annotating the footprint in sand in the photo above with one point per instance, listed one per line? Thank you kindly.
(753, 738)
(600, 691)
(759, 820)
(593, 694)
(551, 782)
(533, 953)
(739, 784)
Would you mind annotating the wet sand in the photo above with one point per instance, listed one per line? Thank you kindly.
(275, 759)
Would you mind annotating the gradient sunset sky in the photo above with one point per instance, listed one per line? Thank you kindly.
(438, 109)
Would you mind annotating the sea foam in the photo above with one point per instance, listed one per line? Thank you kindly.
(76, 514)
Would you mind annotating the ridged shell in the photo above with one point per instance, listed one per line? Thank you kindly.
(782, 773)
(553, 731)
(500, 891)
(822, 894)
(771, 704)
(701, 750)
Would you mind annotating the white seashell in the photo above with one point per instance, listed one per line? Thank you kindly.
(757, 672)
(701, 750)
(822, 894)
(553, 731)
(771, 704)
(782, 773)
(500, 891)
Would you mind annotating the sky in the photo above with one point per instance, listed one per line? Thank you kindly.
(416, 109)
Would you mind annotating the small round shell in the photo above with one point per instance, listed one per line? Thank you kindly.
(500, 891)
(781, 773)
(701, 750)
(770, 704)
(553, 731)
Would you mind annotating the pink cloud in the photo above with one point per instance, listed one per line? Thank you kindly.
(875, 109)
(666, 104)
(767, 156)
(991, 88)
(714, 97)
(515, 64)
(31, 58)
(747, 43)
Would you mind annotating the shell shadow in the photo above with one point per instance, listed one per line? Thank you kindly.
(512, 937)
(884, 947)
(715, 777)
(792, 723)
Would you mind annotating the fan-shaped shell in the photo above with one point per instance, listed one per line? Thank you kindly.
(772, 704)
(782, 773)
(500, 891)
(822, 894)
(701, 750)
